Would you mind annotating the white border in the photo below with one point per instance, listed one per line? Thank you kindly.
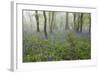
(18, 65)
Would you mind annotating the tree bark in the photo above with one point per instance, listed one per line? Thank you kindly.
(66, 26)
(37, 21)
(74, 21)
(45, 24)
(89, 23)
(79, 22)
(81, 25)
(52, 20)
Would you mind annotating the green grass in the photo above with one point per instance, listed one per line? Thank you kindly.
(73, 48)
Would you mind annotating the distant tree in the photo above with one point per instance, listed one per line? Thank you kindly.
(30, 19)
(76, 21)
(78, 25)
(52, 21)
(37, 21)
(81, 22)
(45, 24)
(89, 22)
(49, 16)
(74, 14)
(66, 25)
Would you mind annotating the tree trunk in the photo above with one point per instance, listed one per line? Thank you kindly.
(49, 18)
(45, 25)
(52, 20)
(78, 26)
(74, 21)
(81, 25)
(89, 23)
(66, 26)
(37, 21)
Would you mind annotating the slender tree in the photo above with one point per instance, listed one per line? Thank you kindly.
(30, 18)
(52, 22)
(81, 22)
(37, 21)
(45, 24)
(78, 25)
(74, 14)
(49, 15)
(89, 23)
(66, 25)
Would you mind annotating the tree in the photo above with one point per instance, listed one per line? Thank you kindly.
(89, 23)
(76, 21)
(49, 15)
(52, 22)
(45, 24)
(30, 18)
(78, 25)
(66, 26)
(81, 22)
(37, 21)
(74, 14)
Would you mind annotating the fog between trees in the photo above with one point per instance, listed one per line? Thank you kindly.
(53, 21)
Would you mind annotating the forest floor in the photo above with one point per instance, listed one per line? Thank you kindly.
(58, 46)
